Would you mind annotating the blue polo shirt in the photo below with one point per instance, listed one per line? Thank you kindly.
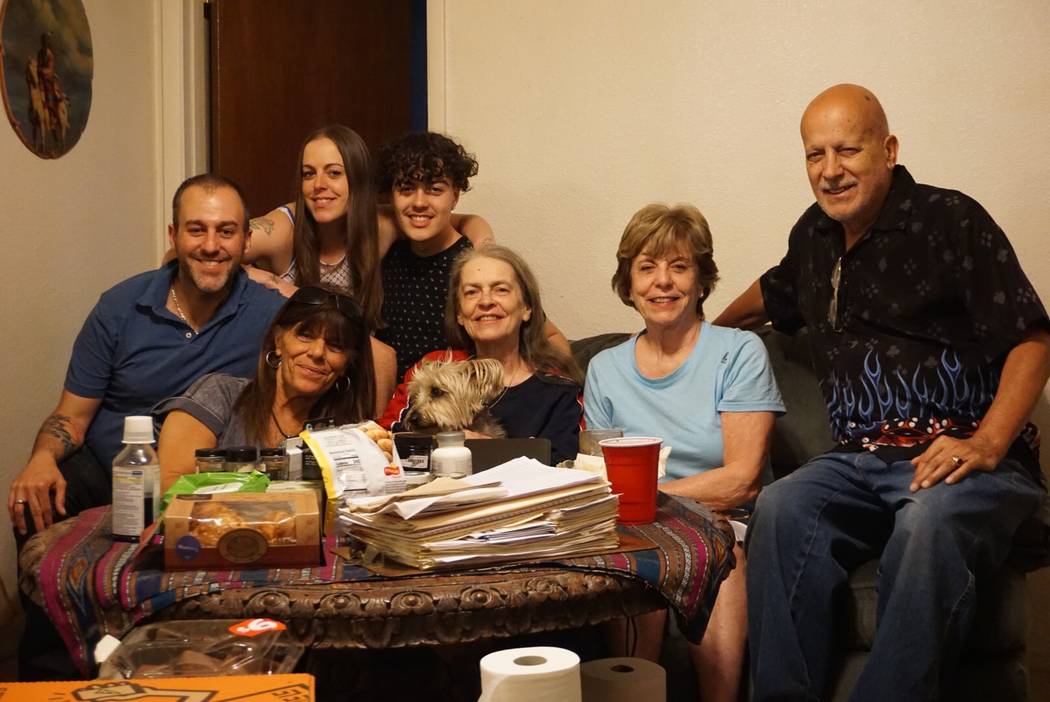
(132, 352)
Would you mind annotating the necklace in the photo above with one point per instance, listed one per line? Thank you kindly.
(178, 310)
(520, 374)
(278, 424)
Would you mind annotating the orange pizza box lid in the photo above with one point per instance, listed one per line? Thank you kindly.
(242, 688)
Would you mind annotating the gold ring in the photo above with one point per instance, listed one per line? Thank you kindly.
(958, 461)
(20, 501)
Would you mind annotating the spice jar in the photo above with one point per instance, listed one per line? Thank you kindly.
(274, 463)
(210, 460)
(414, 450)
(240, 459)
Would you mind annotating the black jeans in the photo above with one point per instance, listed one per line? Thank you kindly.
(41, 653)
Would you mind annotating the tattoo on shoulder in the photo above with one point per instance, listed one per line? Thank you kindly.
(57, 426)
(262, 224)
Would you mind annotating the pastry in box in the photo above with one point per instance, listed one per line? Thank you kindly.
(242, 530)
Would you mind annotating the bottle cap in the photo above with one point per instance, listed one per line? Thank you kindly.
(210, 453)
(450, 438)
(271, 452)
(241, 454)
(138, 430)
(413, 442)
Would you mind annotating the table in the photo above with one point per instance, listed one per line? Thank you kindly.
(90, 586)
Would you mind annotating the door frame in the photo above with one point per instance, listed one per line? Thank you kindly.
(437, 118)
(180, 100)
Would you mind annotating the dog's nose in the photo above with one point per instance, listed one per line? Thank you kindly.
(409, 419)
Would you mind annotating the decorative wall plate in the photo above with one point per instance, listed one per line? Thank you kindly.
(46, 69)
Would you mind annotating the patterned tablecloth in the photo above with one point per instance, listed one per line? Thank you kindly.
(91, 585)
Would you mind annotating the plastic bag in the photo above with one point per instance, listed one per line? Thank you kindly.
(200, 648)
(201, 483)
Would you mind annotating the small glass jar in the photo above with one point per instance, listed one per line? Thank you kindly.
(274, 463)
(241, 459)
(414, 450)
(210, 460)
(451, 459)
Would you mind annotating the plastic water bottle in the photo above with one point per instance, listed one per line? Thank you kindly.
(136, 481)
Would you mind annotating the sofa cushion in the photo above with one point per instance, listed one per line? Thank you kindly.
(803, 431)
(1000, 625)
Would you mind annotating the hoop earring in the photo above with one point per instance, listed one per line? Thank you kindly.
(269, 359)
(346, 384)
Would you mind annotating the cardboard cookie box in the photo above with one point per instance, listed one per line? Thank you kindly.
(238, 530)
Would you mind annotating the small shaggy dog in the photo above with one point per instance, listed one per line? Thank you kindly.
(455, 395)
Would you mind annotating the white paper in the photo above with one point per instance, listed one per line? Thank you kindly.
(527, 476)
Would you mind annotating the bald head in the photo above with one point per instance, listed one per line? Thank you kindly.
(852, 103)
(850, 155)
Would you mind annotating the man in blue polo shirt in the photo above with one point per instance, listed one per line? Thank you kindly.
(148, 338)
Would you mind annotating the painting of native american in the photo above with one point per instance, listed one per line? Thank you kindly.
(47, 68)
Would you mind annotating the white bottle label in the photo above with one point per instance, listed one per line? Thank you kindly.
(451, 461)
(129, 500)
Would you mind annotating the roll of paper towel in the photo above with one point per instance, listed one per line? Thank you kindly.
(536, 674)
(623, 680)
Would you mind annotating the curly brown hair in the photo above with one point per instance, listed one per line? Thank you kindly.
(424, 157)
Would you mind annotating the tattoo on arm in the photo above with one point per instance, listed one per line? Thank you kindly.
(262, 224)
(57, 427)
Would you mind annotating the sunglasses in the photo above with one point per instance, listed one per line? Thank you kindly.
(834, 310)
(347, 306)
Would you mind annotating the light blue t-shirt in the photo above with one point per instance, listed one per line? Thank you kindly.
(727, 371)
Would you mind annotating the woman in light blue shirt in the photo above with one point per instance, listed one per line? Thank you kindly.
(707, 391)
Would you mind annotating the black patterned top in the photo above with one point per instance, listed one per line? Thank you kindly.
(930, 302)
(414, 292)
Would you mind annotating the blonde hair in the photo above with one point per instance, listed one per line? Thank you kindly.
(657, 230)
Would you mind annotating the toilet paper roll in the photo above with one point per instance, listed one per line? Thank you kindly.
(623, 680)
(535, 674)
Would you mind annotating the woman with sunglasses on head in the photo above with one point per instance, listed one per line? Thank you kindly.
(316, 360)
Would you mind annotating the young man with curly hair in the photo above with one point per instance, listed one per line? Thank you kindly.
(424, 174)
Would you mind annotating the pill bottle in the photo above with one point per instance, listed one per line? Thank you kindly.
(451, 458)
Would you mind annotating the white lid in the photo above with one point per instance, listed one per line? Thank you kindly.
(105, 648)
(138, 430)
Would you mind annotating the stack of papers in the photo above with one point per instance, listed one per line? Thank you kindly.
(521, 510)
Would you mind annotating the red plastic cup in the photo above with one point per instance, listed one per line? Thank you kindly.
(631, 464)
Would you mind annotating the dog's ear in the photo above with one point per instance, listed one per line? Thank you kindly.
(487, 373)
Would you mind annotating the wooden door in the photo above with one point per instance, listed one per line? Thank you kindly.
(282, 68)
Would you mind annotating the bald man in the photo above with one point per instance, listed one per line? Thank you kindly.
(931, 347)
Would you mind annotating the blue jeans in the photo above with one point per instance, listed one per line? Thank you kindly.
(813, 527)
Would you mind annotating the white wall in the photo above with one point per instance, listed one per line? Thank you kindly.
(581, 112)
(73, 227)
